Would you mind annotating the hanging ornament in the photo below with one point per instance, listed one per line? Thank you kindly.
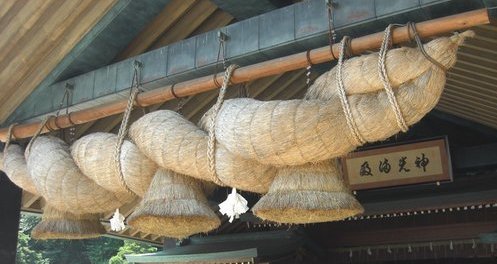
(117, 222)
(233, 206)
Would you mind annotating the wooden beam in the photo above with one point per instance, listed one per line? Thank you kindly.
(134, 232)
(163, 22)
(126, 209)
(28, 199)
(188, 23)
(218, 19)
(254, 88)
(271, 67)
(282, 85)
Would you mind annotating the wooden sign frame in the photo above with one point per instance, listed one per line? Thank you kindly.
(440, 142)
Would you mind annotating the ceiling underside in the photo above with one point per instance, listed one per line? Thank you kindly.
(471, 91)
(36, 35)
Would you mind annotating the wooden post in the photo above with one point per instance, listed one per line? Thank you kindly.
(425, 29)
(10, 206)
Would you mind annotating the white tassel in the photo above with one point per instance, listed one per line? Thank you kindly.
(233, 206)
(117, 222)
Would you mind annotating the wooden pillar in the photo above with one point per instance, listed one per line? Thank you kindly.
(10, 207)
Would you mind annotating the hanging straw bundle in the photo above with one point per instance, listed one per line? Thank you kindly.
(174, 206)
(94, 155)
(14, 165)
(299, 131)
(309, 193)
(57, 224)
(361, 74)
(59, 180)
(175, 143)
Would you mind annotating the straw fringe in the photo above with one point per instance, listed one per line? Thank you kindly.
(16, 169)
(94, 155)
(174, 206)
(56, 224)
(59, 180)
(309, 193)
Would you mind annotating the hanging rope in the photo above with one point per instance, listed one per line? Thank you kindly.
(135, 83)
(37, 134)
(343, 97)
(382, 70)
(7, 142)
(411, 27)
(117, 220)
(211, 143)
(67, 98)
(330, 6)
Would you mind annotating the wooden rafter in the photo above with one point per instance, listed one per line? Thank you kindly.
(193, 18)
(164, 21)
(28, 199)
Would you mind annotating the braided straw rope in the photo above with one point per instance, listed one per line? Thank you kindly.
(343, 97)
(124, 125)
(36, 135)
(211, 143)
(401, 122)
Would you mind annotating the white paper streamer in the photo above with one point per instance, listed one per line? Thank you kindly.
(233, 206)
(117, 222)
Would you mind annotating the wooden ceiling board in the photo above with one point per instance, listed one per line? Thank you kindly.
(471, 88)
(9, 11)
(47, 31)
(20, 24)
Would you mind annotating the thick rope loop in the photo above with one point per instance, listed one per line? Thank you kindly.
(359, 140)
(211, 143)
(37, 133)
(135, 89)
(411, 27)
(382, 70)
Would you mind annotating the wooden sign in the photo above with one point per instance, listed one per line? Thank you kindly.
(414, 163)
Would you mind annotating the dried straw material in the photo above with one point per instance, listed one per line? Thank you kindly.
(309, 193)
(56, 224)
(175, 143)
(361, 74)
(94, 155)
(299, 131)
(174, 206)
(59, 180)
(14, 165)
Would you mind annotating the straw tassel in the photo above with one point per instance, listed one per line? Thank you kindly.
(117, 222)
(234, 205)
